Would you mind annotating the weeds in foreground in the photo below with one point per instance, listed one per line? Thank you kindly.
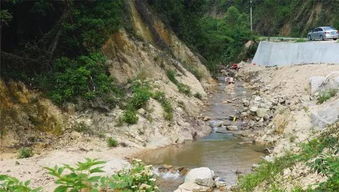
(85, 176)
(12, 184)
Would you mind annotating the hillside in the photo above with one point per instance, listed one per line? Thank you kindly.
(285, 18)
(140, 87)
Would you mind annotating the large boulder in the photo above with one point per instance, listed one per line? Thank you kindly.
(325, 114)
(202, 176)
(315, 83)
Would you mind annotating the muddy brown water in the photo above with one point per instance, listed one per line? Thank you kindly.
(222, 152)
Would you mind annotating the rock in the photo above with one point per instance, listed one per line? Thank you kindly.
(206, 118)
(253, 109)
(142, 111)
(232, 128)
(257, 98)
(325, 114)
(262, 112)
(202, 176)
(215, 123)
(245, 102)
(192, 187)
(220, 182)
(315, 83)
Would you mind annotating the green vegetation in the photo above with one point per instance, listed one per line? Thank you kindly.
(111, 142)
(219, 40)
(12, 184)
(82, 77)
(130, 116)
(83, 177)
(181, 87)
(25, 152)
(141, 93)
(326, 95)
(267, 171)
(55, 45)
(165, 103)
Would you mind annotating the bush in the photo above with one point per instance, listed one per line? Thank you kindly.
(130, 117)
(25, 152)
(83, 77)
(112, 142)
(140, 98)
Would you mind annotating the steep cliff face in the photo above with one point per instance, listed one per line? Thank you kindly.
(145, 51)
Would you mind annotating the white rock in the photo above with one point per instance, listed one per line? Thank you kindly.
(232, 128)
(315, 83)
(253, 109)
(190, 187)
(201, 176)
(261, 112)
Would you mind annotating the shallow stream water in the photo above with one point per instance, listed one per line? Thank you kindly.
(222, 152)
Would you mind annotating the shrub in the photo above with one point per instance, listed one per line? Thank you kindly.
(326, 95)
(198, 95)
(130, 116)
(166, 105)
(171, 76)
(12, 184)
(139, 99)
(83, 77)
(112, 142)
(25, 152)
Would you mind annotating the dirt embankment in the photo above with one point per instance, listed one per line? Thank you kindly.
(288, 108)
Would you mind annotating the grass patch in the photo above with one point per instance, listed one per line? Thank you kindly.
(328, 166)
(111, 142)
(165, 103)
(130, 117)
(326, 95)
(141, 93)
(181, 87)
(25, 152)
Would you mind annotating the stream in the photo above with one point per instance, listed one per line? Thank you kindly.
(221, 151)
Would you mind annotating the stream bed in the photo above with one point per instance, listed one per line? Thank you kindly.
(220, 151)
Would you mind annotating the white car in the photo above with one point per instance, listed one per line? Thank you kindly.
(323, 33)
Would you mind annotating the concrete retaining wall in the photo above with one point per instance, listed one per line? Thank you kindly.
(288, 53)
